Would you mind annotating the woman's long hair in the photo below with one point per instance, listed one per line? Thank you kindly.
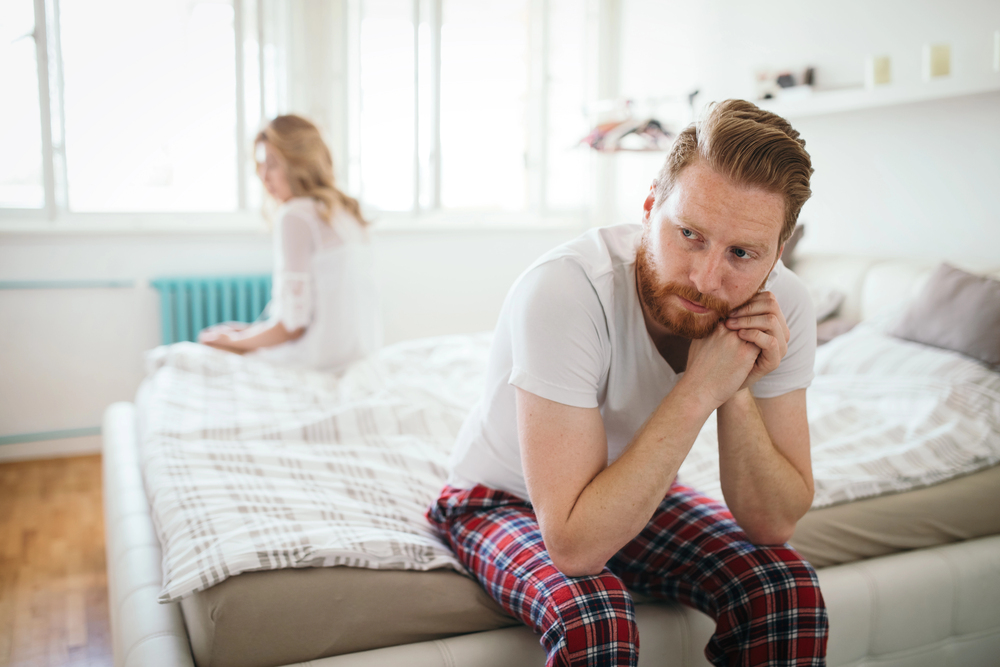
(308, 164)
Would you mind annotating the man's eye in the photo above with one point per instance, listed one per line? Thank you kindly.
(740, 252)
(688, 234)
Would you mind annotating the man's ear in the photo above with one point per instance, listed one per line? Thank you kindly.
(647, 206)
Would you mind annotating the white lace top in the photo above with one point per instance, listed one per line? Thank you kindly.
(324, 282)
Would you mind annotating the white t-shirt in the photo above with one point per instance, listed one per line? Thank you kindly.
(571, 330)
(324, 280)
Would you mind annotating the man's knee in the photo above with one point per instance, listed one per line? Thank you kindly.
(772, 580)
(770, 605)
(596, 618)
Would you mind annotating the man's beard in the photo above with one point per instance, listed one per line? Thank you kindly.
(677, 319)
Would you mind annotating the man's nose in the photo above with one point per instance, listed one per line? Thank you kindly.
(706, 272)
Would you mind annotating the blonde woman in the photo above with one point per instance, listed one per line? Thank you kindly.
(324, 309)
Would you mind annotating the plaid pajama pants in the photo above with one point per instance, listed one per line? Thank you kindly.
(765, 600)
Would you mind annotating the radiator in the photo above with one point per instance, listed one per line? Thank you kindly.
(189, 304)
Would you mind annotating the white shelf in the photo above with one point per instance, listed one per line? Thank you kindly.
(852, 99)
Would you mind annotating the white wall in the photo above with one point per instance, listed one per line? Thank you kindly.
(65, 354)
(920, 180)
(913, 180)
(674, 46)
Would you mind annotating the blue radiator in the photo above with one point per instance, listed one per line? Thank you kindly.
(189, 304)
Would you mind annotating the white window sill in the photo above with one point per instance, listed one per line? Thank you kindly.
(85, 224)
(382, 223)
(386, 223)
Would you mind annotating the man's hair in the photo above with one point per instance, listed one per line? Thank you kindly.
(751, 147)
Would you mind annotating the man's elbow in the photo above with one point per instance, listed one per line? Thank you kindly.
(769, 538)
(574, 562)
(770, 533)
(776, 529)
(576, 567)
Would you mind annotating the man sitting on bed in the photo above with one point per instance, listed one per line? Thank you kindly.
(610, 353)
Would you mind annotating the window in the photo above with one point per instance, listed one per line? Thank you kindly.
(150, 105)
(21, 177)
(430, 106)
(388, 104)
(469, 105)
(122, 106)
(485, 61)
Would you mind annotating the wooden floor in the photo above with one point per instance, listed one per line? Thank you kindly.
(53, 587)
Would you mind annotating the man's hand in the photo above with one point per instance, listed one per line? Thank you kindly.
(761, 323)
(719, 365)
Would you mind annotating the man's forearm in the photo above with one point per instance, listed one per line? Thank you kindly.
(618, 503)
(765, 492)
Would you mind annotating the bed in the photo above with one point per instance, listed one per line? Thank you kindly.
(282, 525)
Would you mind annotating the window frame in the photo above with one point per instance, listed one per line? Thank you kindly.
(268, 24)
(55, 214)
(427, 177)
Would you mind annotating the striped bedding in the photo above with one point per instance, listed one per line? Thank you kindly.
(250, 466)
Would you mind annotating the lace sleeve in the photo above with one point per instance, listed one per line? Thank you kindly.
(292, 298)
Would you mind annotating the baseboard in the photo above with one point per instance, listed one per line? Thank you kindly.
(47, 449)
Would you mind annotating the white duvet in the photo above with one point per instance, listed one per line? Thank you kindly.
(250, 466)
(885, 415)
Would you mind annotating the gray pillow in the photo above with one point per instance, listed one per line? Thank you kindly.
(830, 329)
(957, 311)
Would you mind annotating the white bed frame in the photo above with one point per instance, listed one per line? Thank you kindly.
(938, 606)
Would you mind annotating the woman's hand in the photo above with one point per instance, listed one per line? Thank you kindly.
(248, 337)
(227, 336)
(222, 327)
(221, 339)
